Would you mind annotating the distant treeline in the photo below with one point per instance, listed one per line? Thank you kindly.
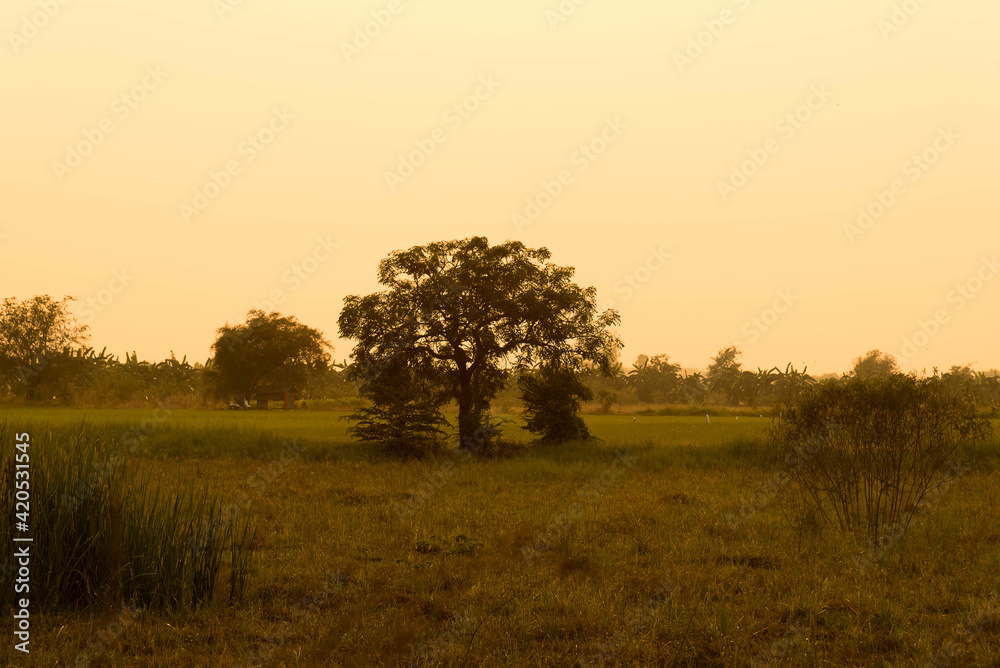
(655, 380)
(86, 378)
(45, 359)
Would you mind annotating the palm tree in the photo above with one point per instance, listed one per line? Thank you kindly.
(693, 388)
(755, 385)
(728, 383)
(791, 384)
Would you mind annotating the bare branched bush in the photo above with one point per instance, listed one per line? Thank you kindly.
(887, 445)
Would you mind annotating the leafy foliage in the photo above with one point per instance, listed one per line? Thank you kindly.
(267, 349)
(473, 313)
(655, 379)
(875, 364)
(724, 374)
(869, 450)
(552, 397)
(790, 385)
(405, 416)
(42, 348)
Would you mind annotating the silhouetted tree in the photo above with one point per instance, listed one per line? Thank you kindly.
(655, 379)
(405, 416)
(693, 388)
(875, 364)
(475, 313)
(790, 384)
(42, 347)
(724, 374)
(267, 349)
(552, 396)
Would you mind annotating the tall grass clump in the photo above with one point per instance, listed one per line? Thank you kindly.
(106, 534)
(869, 452)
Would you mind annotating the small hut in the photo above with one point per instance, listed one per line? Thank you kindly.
(274, 393)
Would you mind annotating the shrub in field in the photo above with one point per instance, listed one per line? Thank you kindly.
(405, 416)
(551, 398)
(884, 446)
(104, 534)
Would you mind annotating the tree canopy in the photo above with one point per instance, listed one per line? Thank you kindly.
(41, 344)
(655, 379)
(475, 313)
(724, 374)
(268, 349)
(875, 364)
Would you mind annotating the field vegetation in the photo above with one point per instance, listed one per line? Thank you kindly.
(618, 552)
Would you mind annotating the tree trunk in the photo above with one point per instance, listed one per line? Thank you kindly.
(466, 416)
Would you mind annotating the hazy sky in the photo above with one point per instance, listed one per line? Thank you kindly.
(177, 163)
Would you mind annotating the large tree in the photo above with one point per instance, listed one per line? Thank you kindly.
(476, 313)
(268, 349)
(41, 345)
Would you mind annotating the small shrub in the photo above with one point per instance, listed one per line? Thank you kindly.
(405, 417)
(403, 429)
(552, 397)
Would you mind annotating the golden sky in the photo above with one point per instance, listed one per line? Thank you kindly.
(810, 179)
